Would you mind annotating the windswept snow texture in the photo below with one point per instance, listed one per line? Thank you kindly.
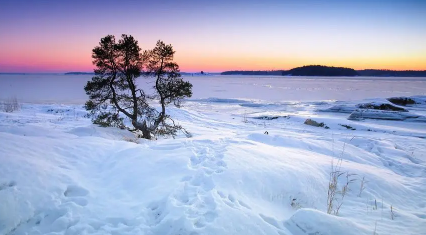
(251, 167)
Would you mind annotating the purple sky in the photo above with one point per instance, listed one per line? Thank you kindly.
(58, 36)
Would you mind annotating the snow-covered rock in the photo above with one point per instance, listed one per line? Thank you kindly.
(381, 106)
(360, 114)
(311, 122)
(408, 101)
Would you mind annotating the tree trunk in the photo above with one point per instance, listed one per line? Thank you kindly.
(146, 133)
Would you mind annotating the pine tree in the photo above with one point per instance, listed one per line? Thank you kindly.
(113, 92)
(169, 86)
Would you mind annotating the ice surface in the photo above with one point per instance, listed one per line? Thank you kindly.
(69, 88)
(59, 174)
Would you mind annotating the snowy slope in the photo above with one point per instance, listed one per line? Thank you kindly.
(61, 175)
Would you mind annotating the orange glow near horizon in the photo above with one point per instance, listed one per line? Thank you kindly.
(216, 64)
(42, 60)
(220, 64)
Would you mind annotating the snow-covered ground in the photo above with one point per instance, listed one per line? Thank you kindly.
(251, 167)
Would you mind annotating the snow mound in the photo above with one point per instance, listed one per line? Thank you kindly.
(96, 131)
(308, 221)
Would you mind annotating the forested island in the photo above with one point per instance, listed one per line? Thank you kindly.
(319, 70)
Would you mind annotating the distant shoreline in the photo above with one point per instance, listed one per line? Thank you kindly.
(305, 71)
(79, 73)
(328, 71)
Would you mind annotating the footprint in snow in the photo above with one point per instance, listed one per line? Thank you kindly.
(208, 161)
(75, 191)
(7, 185)
(206, 219)
(75, 194)
(78, 201)
(203, 181)
(156, 213)
(203, 211)
(231, 201)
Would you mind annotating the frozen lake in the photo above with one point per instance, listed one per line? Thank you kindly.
(50, 88)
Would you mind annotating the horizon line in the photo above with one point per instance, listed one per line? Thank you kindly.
(263, 70)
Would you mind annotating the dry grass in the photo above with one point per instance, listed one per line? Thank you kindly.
(10, 105)
(245, 117)
(332, 184)
(336, 194)
(362, 187)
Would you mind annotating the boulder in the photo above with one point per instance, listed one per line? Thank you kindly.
(311, 122)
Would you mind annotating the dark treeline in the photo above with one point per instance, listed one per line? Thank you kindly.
(315, 70)
(271, 72)
(391, 73)
(79, 73)
(319, 70)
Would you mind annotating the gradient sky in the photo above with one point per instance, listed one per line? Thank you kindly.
(58, 35)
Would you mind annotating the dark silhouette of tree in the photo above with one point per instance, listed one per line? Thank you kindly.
(114, 95)
(169, 86)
